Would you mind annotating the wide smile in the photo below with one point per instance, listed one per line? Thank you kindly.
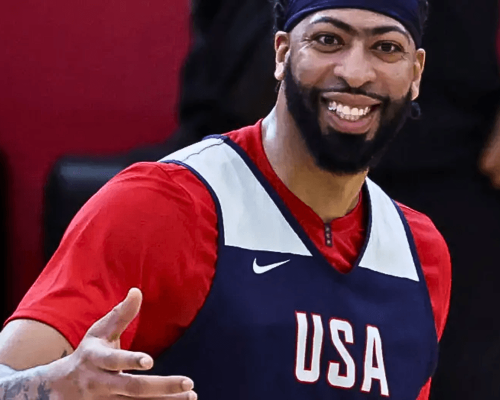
(356, 119)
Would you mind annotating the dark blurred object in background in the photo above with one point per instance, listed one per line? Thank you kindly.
(70, 184)
(228, 80)
(227, 83)
(74, 179)
(433, 167)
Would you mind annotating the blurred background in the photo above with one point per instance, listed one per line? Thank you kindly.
(77, 77)
(90, 87)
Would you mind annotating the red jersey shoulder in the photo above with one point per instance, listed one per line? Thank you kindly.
(149, 171)
(152, 179)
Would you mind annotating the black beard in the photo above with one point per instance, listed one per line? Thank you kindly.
(334, 151)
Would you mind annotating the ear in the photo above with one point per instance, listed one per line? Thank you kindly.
(418, 69)
(281, 47)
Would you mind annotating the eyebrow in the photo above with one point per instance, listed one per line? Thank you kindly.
(379, 30)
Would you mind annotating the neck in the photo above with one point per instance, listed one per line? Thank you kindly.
(329, 195)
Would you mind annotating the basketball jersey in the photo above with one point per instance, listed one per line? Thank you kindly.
(280, 321)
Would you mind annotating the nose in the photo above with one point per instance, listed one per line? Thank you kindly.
(355, 67)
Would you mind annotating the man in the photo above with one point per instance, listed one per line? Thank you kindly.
(270, 266)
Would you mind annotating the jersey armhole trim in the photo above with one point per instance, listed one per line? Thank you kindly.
(220, 243)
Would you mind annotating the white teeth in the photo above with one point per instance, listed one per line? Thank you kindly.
(348, 113)
(349, 117)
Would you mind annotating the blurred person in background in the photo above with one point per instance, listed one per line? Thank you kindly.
(270, 266)
(232, 50)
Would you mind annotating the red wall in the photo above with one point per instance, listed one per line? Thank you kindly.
(91, 76)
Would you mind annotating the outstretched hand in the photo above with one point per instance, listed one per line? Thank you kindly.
(95, 369)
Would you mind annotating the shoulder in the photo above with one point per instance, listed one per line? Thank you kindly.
(435, 260)
(146, 190)
(148, 209)
(155, 178)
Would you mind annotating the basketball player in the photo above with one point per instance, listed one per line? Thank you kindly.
(268, 265)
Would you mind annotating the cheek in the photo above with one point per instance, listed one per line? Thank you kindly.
(397, 80)
(311, 70)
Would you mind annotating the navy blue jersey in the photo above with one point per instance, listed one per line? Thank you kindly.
(280, 321)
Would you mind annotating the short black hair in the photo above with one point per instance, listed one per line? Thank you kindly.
(280, 7)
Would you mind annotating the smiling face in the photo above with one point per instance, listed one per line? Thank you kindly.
(349, 78)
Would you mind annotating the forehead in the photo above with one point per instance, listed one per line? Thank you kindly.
(358, 19)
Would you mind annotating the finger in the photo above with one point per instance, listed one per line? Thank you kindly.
(112, 325)
(143, 386)
(110, 359)
(182, 396)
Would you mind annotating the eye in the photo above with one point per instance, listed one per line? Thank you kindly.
(328, 40)
(388, 47)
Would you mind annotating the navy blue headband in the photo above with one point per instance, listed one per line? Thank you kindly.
(405, 11)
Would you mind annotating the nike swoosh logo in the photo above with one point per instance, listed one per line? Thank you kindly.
(263, 269)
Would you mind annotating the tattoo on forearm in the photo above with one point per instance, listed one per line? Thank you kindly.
(13, 390)
(23, 389)
(24, 385)
(43, 392)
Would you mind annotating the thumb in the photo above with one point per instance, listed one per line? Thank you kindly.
(112, 325)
